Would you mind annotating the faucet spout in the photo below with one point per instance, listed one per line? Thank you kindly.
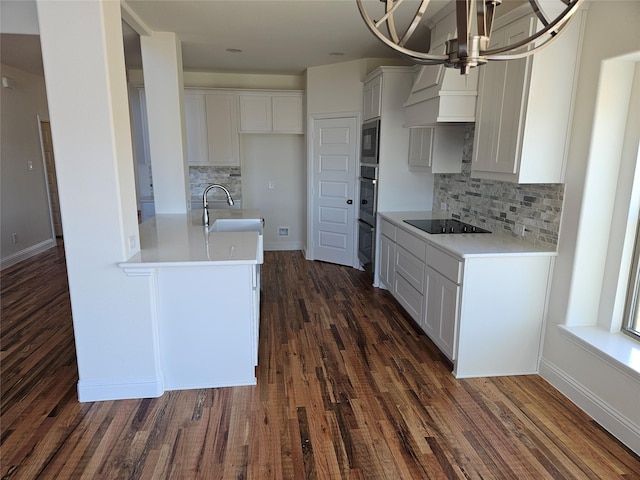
(205, 202)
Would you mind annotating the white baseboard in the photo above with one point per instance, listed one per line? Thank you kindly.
(27, 252)
(95, 391)
(621, 427)
(283, 246)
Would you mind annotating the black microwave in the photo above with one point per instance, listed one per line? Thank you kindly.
(370, 142)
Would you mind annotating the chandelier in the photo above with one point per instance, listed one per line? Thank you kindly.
(474, 21)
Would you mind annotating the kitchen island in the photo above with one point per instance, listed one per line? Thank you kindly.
(480, 297)
(207, 295)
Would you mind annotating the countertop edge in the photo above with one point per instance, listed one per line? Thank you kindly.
(512, 247)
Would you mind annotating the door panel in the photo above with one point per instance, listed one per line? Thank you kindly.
(333, 184)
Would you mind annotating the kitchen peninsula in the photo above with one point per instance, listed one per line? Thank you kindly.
(480, 297)
(207, 295)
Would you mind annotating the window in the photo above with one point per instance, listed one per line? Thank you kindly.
(631, 323)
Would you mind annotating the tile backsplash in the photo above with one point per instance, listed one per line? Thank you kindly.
(200, 177)
(501, 206)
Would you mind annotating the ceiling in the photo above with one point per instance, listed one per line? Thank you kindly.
(274, 36)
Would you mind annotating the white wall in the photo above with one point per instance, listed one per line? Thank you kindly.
(24, 202)
(337, 88)
(611, 394)
(281, 161)
(114, 316)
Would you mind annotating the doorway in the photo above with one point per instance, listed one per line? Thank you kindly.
(52, 180)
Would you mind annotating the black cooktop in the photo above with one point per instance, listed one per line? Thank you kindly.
(447, 225)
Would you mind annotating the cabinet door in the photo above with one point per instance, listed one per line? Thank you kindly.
(144, 127)
(255, 113)
(501, 103)
(420, 148)
(387, 261)
(286, 113)
(222, 129)
(441, 311)
(372, 102)
(196, 126)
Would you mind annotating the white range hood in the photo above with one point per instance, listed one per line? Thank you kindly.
(441, 95)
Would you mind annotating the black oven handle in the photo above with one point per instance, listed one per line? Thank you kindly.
(366, 226)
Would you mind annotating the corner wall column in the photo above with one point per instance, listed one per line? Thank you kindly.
(164, 90)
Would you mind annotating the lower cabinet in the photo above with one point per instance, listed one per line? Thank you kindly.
(485, 312)
(442, 301)
(387, 266)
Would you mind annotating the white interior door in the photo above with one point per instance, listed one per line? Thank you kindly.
(335, 143)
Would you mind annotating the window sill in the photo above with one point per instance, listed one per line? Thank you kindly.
(617, 349)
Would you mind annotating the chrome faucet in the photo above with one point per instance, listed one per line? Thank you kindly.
(205, 203)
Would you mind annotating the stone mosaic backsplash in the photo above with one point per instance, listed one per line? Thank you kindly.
(500, 206)
(200, 177)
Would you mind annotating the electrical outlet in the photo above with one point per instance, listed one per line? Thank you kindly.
(443, 206)
(519, 229)
(30, 165)
(283, 231)
(14, 238)
(132, 242)
(272, 185)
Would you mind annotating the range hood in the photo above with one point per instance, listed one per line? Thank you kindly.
(441, 95)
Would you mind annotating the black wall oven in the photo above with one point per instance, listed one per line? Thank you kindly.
(370, 142)
(367, 216)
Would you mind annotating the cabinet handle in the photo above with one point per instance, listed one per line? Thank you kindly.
(349, 202)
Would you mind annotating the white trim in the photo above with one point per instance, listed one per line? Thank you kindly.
(614, 348)
(621, 427)
(102, 390)
(283, 246)
(27, 253)
(46, 173)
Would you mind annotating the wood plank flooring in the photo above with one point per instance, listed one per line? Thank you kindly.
(347, 388)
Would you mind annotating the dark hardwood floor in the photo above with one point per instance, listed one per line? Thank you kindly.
(347, 388)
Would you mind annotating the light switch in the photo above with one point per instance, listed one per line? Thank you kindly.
(272, 185)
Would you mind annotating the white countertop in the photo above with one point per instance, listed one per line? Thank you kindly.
(468, 244)
(181, 240)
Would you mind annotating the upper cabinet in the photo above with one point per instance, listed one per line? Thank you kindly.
(265, 112)
(436, 149)
(525, 106)
(211, 120)
(372, 100)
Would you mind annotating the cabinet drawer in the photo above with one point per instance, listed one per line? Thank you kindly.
(414, 245)
(410, 267)
(409, 298)
(445, 264)
(388, 229)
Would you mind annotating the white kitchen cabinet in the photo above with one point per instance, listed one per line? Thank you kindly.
(387, 253)
(372, 100)
(144, 127)
(195, 115)
(408, 283)
(222, 129)
(436, 149)
(524, 107)
(271, 113)
(442, 300)
(485, 311)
